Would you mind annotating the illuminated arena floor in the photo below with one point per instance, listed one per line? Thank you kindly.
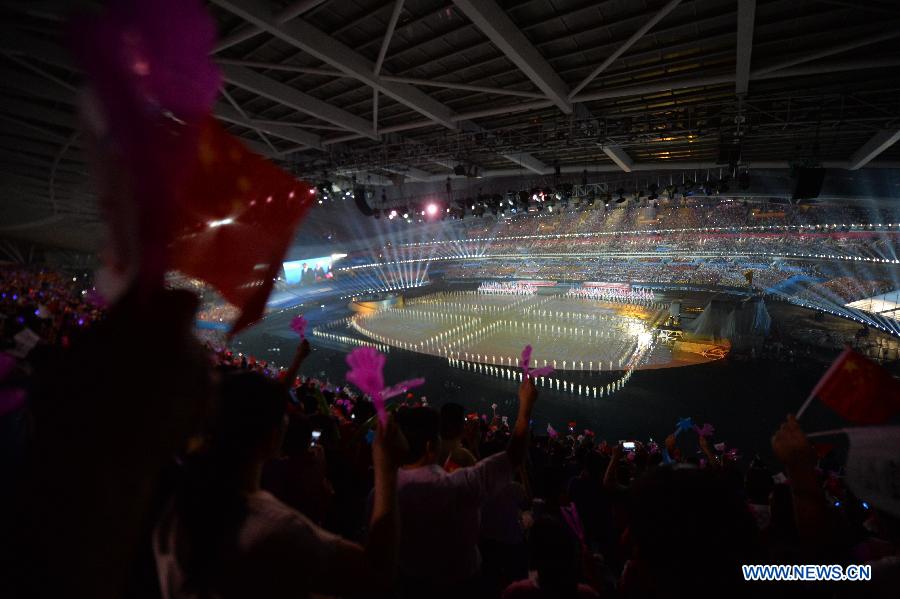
(746, 400)
(566, 333)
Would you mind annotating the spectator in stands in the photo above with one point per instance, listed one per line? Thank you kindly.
(223, 536)
(502, 536)
(453, 455)
(439, 554)
(594, 501)
(555, 560)
(299, 477)
(676, 514)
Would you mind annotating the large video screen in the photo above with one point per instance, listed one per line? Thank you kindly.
(307, 272)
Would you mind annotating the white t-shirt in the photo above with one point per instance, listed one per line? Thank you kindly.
(279, 553)
(440, 517)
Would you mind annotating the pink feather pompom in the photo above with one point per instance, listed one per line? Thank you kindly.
(366, 372)
(706, 430)
(402, 387)
(539, 372)
(153, 53)
(11, 399)
(524, 364)
(525, 359)
(298, 325)
(366, 366)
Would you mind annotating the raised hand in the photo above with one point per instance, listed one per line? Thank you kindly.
(791, 446)
(389, 446)
(303, 350)
(527, 394)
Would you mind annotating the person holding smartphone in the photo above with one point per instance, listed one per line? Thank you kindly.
(224, 536)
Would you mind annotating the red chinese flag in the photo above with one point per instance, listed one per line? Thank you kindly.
(859, 390)
(234, 219)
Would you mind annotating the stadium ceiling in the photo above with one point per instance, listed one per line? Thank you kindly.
(421, 90)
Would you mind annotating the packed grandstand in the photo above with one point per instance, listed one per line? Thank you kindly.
(825, 255)
(442, 299)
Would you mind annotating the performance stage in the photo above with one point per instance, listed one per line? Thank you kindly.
(593, 345)
(566, 333)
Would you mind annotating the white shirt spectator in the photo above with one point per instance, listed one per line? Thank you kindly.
(439, 514)
(279, 553)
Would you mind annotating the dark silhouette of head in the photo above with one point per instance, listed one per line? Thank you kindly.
(554, 554)
(249, 418)
(421, 427)
(453, 418)
(678, 513)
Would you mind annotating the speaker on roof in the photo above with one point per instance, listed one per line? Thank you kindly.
(359, 196)
(809, 183)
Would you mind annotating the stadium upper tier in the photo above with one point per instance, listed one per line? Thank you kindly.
(727, 229)
(820, 255)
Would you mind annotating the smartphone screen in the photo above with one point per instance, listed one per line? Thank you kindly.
(628, 445)
(315, 437)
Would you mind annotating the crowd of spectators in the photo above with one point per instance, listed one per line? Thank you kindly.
(229, 477)
(725, 227)
(54, 305)
(679, 271)
(853, 249)
(680, 214)
(506, 288)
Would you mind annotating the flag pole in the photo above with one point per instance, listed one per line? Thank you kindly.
(836, 431)
(805, 405)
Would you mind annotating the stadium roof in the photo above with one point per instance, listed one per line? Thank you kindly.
(408, 90)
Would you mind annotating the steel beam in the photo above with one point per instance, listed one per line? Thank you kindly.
(620, 157)
(311, 40)
(493, 21)
(227, 113)
(746, 17)
(669, 7)
(283, 94)
(880, 142)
